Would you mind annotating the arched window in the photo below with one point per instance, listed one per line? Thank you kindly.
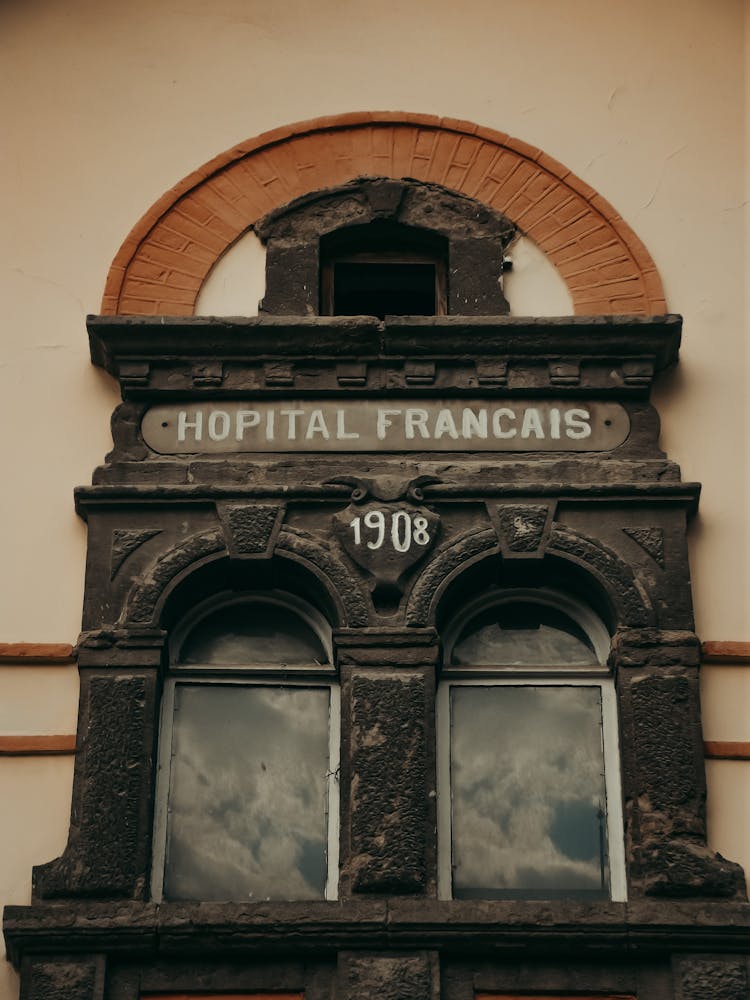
(528, 768)
(247, 805)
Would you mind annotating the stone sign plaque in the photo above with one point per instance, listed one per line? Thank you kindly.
(371, 425)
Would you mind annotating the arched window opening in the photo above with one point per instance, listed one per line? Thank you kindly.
(271, 630)
(383, 269)
(530, 627)
(247, 805)
(528, 764)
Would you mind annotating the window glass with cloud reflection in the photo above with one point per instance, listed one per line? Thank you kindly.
(523, 783)
(248, 757)
(247, 802)
(527, 780)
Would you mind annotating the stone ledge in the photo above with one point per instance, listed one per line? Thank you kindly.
(515, 928)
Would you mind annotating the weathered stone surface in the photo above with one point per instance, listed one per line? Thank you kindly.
(395, 648)
(385, 564)
(109, 833)
(476, 238)
(320, 555)
(124, 542)
(389, 784)
(651, 540)
(655, 648)
(559, 928)
(665, 789)
(667, 741)
(388, 816)
(141, 605)
(446, 561)
(126, 434)
(387, 977)
(521, 526)
(250, 529)
(632, 603)
(47, 979)
(686, 868)
(722, 978)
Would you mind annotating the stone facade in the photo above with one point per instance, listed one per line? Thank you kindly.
(167, 531)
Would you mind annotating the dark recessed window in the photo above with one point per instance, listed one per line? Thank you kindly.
(383, 270)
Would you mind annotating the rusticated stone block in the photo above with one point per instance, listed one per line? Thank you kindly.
(713, 979)
(389, 805)
(686, 868)
(403, 977)
(665, 785)
(45, 979)
(667, 740)
(651, 647)
(109, 832)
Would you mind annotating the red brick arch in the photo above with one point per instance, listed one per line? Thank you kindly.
(163, 262)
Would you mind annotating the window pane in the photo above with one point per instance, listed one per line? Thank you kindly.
(384, 289)
(522, 634)
(247, 800)
(528, 797)
(253, 634)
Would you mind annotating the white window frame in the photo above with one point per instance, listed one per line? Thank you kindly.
(596, 675)
(213, 675)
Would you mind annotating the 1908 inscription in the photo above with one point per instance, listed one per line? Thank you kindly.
(385, 425)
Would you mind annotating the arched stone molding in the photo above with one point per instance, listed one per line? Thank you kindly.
(163, 262)
(632, 606)
(143, 600)
(148, 595)
(632, 609)
(454, 558)
(300, 545)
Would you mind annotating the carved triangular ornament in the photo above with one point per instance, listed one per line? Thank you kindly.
(124, 542)
(651, 540)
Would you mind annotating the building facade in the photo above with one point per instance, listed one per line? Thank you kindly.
(390, 680)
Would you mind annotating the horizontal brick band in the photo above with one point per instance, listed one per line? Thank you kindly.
(557, 996)
(49, 653)
(163, 262)
(726, 652)
(723, 750)
(222, 996)
(32, 746)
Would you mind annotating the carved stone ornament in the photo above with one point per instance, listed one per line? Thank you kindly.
(386, 539)
(522, 528)
(250, 530)
(651, 540)
(125, 542)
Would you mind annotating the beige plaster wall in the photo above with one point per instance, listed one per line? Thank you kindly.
(105, 106)
(35, 792)
(236, 283)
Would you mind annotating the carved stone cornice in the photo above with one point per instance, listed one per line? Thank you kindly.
(614, 356)
(103, 495)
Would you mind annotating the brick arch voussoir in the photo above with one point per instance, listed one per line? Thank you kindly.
(162, 264)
